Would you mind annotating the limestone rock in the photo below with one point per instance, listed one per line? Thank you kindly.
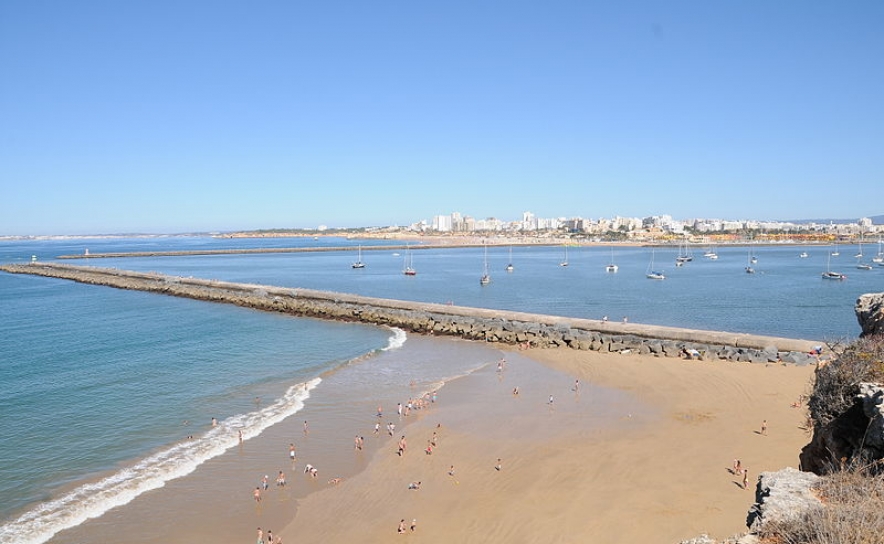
(869, 311)
(783, 495)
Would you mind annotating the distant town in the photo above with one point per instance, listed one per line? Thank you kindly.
(658, 228)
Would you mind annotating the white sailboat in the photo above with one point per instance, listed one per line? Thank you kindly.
(359, 263)
(860, 265)
(653, 274)
(835, 251)
(711, 254)
(509, 266)
(752, 259)
(409, 269)
(879, 258)
(565, 262)
(486, 278)
(612, 268)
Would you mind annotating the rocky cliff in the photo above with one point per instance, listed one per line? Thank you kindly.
(870, 314)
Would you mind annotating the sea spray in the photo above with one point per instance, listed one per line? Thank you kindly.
(94, 499)
(397, 340)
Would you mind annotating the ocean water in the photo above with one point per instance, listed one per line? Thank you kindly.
(100, 388)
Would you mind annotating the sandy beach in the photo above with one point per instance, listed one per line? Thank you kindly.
(593, 448)
(643, 452)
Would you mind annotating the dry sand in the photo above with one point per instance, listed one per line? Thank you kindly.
(642, 453)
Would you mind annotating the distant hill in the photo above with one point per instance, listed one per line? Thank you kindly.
(876, 220)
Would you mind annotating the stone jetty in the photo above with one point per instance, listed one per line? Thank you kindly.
(525, 329)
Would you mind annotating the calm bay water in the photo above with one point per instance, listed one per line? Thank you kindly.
(96, 381)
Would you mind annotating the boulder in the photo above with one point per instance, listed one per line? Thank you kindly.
(869, 311)
(782, 496)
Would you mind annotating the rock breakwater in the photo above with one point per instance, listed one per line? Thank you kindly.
(526, 329)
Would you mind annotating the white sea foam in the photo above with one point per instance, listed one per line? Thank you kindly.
(94, 499)
(397, 340)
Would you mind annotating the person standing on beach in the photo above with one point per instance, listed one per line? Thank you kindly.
(745, 478)
(401, 529)
(764, 427)
(377, 428)
(498, 466)
(257, 494)
(292, 452)
(260, 536)
(306, 430)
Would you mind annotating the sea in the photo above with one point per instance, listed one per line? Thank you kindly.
(107, 394)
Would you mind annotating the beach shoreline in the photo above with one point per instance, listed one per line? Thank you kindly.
(591, 443)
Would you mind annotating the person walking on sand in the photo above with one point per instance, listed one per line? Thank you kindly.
(498, 466)
(764, 427)
(292, 452)
(280, 480)
(257, 494)
(745, 478)
(377, 428)
(413, 525)
(306, 430)
(401, 529)
(260, 536)
(269, 536)
(265, 482)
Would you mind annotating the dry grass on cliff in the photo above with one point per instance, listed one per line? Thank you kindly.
(837, 383)
(854, 512)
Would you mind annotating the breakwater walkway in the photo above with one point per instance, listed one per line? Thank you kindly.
(508, 327)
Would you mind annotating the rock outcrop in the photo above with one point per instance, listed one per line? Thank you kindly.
(870, 313)
(857, 432)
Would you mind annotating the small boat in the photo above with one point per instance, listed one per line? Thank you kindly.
(829, 275)
(612, 268)
(803, 255)
(752, 259)
(835, 251)
(684, 254)
(486, 278)
(864, 266)
(654, 274)
(509, 266)
(879, 258)
(359, 263)
(565, 262)
(409, 269)
(711, 254)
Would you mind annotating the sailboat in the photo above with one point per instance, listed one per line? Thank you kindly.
(835, 251)
(654, 274)
(860, 265)
(565, 262)
(409, 269)
(749, 269)
(879, 258)
(486, 278)
(684, 254)
(859, 254)
(359, 263)
(612, 268)
(829, 275)
(509, 266)
(711, 254)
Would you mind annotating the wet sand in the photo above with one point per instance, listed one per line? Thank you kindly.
(651, 466)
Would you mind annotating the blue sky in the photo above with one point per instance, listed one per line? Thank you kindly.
(197, 116)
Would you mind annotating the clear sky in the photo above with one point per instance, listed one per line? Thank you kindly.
(180, 116)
